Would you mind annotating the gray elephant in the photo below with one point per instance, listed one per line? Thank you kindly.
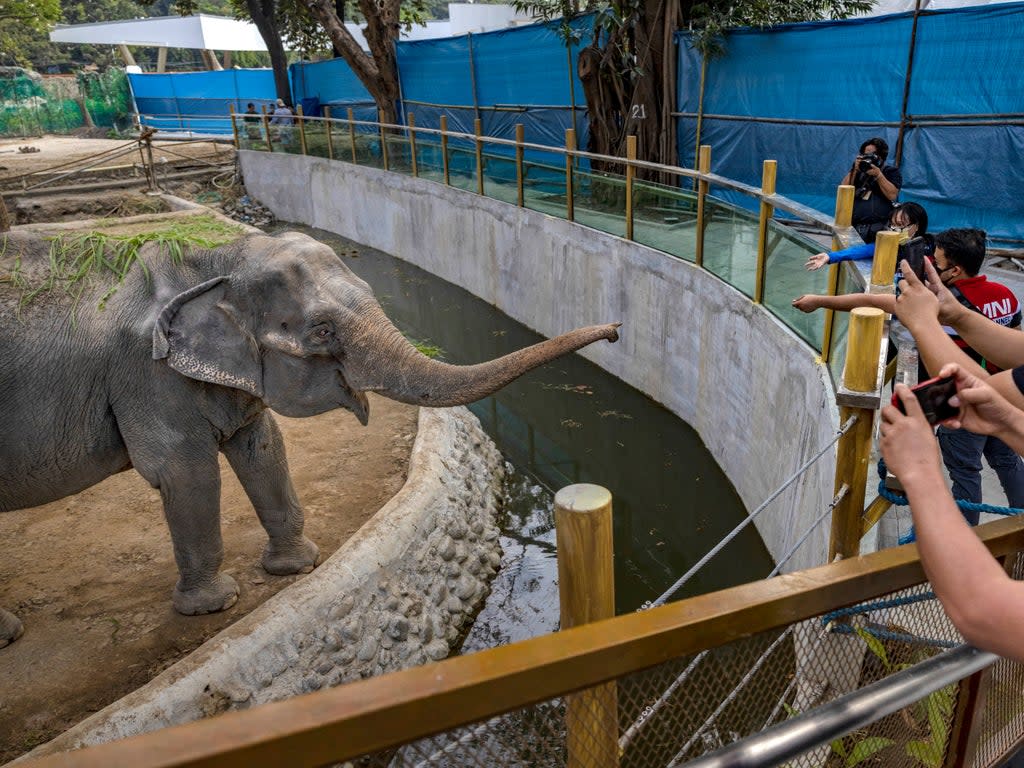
(183, 360)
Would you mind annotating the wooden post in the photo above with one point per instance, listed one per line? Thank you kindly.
(767, 188)
(161, 59)
(352, 133)
(478, 130)
(570, 147)
(843, 217)
(330, 134)
(444, 149)
(266, 127)
(630, 156)
(520, 132)
(5, 217)
(126, 55)
(302, 127)
(860, 375)
(234, 125)
(883, 268)
(586, 588)
(412, 143)
(147, 137)
(383, 142)
(704, 166)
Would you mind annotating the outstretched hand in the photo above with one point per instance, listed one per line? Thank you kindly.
(908, 443)
(808, 302)
(817, 261)
(982, 409)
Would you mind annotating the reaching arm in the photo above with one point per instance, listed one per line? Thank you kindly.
(1002, 345)
(984, 604)
(918, 308)
(845, 302)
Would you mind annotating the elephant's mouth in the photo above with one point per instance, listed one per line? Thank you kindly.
(354, 400)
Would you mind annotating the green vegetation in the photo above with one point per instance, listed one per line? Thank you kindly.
(81, 259)
(426, 348)
(930, 716)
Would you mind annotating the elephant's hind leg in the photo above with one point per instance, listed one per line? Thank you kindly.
(10, 628)
(256, 453)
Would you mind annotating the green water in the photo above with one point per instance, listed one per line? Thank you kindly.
(570, 422)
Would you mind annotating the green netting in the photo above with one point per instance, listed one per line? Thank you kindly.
(31, 105)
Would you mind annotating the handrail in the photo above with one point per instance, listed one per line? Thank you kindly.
(777, 201)
(847, 713)
(341, 723)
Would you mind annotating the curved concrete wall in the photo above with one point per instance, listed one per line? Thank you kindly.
(754, 391)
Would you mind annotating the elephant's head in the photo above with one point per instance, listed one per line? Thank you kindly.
(292, 325)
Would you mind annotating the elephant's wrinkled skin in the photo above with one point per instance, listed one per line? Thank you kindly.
(184, 362)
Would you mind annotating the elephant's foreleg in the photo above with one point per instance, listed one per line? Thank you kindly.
(10, 628)
(191, 495)
(256, 453)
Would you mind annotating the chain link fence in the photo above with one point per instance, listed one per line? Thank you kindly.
(687, 707)
(33, 105)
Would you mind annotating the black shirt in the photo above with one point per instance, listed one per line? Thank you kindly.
(870, 205)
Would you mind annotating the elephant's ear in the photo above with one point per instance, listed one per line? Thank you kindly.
(200, 334)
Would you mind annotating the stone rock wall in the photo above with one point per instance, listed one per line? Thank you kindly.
(398, 593)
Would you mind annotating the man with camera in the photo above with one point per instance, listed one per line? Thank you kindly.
(876, 186)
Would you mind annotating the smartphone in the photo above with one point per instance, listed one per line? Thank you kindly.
(915, 252)
(933, 395)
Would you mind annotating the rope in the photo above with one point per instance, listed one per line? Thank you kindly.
(963, 504)
(903, 637)
(749, 519)
(877, 605)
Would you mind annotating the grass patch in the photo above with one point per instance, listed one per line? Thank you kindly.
(77, 260)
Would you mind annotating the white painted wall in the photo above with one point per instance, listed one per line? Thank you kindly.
(754, 391)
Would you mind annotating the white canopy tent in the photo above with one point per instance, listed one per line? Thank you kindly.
(218, 33)
(202, 32)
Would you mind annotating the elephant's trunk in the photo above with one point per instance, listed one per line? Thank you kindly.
(385, 362)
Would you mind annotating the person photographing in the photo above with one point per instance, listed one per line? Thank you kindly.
(876, 187)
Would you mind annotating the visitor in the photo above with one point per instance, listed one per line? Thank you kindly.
(959, 254)
(283, 119)
(910, 220)
(984, 603)
(876, 187)
(252, 120)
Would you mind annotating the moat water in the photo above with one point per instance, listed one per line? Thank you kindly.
(570, 422)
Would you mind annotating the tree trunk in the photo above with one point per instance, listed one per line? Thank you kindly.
(262, 14)
(378, 72)
(638, 102)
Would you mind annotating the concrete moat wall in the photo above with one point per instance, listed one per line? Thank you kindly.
(753, 390)
(395, 595)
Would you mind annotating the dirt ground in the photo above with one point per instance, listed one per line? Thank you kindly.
(56, 152)
(91, 575)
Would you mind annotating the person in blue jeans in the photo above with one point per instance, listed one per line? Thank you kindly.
(962, 452)
(909, 219)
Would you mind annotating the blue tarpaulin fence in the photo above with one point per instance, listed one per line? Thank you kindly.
(198, 102)
(807, 95)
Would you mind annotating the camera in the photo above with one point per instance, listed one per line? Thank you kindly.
(864, 162)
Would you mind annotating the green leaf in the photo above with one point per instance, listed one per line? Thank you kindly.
(874, 645)
(864, 749)
(838, 748)
(925, 753)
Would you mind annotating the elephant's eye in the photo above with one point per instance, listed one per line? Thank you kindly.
(322, 332)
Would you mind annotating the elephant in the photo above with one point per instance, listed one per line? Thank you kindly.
(185, 356)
